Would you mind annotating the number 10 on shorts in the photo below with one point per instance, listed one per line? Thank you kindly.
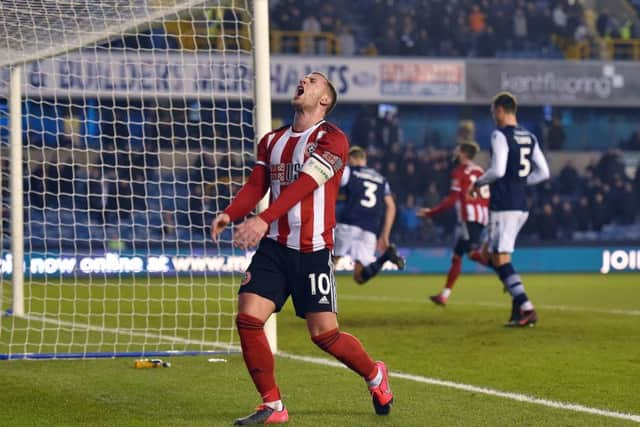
(320, 282)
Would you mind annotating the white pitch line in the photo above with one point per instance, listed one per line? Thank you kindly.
(481, 390)
(493, 304)
(394, 374)
(131, 333)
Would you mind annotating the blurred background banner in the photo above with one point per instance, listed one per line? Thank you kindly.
(145, 74)
(361, 79)
(171, 74)
(432, 260)
(410, 80)
(584, 83)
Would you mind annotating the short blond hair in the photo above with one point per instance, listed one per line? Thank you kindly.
(357, 152)
(332, 91)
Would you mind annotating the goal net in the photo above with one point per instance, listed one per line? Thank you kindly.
(137, 127)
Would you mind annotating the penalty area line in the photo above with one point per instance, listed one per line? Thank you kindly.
(480, 390)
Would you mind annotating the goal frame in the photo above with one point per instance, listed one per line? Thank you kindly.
(262, 125)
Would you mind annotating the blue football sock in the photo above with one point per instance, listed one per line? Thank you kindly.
(512, 282)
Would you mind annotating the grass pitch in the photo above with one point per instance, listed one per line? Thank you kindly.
(585, 351)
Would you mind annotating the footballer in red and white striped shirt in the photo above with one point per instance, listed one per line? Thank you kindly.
(472, 212)
(302, 165)
(469, 209)
(320, 152)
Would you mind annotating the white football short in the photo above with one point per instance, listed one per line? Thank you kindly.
(353, 240)
(504, 227)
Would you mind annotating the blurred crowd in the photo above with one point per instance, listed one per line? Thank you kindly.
(123, 185)
(439, 28)
(454, 28)
(600, 202)
(122, 197)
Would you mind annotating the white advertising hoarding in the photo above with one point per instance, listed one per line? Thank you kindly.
(191, 75)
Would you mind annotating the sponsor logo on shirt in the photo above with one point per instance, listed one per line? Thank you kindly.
(285, 173)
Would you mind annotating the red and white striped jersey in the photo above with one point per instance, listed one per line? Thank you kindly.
(470, 209)
(309, 224)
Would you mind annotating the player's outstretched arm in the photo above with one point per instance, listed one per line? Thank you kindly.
(447, 203)
(423, 212)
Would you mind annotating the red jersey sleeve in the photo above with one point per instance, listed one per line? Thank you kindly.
(457, 180)
(329, 156)
(255, 188)
(454, 193)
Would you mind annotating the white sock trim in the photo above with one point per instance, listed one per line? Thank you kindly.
(276, 405)
(526, 306)
(376, 380)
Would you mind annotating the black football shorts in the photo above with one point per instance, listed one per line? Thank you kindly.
(469, 238)
(277, 271)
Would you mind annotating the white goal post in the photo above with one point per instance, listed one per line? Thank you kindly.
(125, 125)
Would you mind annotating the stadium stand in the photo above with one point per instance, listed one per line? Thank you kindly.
(596, 201)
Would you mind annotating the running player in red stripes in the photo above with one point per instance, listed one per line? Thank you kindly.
(472, 212)
(301, 164)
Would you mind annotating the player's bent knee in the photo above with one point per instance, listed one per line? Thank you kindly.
(245, 321)
(326, 339)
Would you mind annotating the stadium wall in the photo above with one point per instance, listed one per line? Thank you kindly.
(604, 260)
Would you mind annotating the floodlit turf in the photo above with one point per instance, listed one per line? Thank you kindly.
(585, 351)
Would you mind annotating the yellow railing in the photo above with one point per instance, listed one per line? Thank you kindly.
(304, 42)
(604, 49)
(579, 50)
(622, 49)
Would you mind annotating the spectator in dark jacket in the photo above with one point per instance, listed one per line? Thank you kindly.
(556, 136)
(599, 212)
(547, 225)
(582, 214)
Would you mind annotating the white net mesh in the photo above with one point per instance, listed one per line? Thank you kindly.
(131, 143)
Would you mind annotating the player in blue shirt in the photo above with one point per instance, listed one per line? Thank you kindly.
(368, 208)
(516, 162)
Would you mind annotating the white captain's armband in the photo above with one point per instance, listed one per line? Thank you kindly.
(322, 168)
